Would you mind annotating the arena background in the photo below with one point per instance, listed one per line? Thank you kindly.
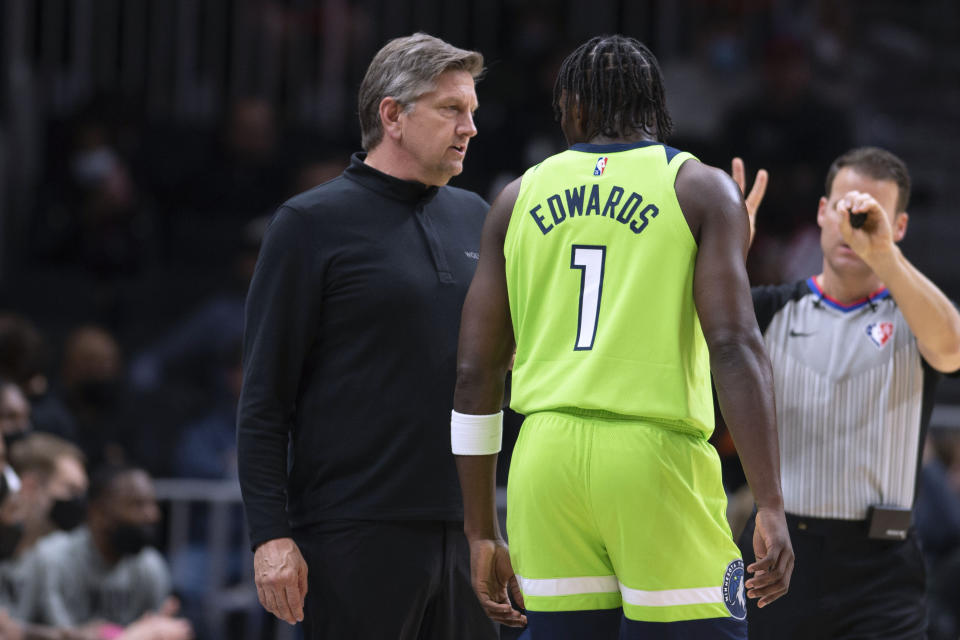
(144, 143)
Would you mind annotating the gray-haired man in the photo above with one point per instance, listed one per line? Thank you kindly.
(350, 354)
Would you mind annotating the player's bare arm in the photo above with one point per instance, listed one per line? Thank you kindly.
(932, 317)
(484, 356)
(714, 209)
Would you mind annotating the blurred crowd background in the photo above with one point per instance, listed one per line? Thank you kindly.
(144, 145)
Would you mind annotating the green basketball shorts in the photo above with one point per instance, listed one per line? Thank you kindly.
(610, 512)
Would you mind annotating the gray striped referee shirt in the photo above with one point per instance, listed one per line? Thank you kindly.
(854, 398)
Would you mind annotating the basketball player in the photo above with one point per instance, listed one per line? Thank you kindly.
(617, 269)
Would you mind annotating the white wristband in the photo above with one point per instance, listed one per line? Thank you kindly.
(475, 435)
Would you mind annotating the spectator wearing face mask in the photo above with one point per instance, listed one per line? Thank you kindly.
(96, 396)
(54, 485)
(106, 570)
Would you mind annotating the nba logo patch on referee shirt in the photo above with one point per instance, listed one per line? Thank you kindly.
(601, 165)
(879, 333)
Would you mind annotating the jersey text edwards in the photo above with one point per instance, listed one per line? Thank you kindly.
(626, 213)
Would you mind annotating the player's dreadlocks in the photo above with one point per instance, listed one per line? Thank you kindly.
(617, 81)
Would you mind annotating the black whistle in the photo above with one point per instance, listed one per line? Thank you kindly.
(857, 219)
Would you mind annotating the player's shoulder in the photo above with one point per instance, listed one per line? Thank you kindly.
(701, 178)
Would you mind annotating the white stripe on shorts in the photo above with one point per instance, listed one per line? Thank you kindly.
(610, 584)
(568, 586)
(671, 597)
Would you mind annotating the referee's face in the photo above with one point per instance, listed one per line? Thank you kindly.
(435, 132)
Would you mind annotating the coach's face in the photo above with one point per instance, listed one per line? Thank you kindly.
(435, 132)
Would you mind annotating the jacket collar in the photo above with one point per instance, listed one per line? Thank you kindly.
(404, 190)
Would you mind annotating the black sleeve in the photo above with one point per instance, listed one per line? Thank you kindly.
(948, 374)
(769, 299)
(281, 319)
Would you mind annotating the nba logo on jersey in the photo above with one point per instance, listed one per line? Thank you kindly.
(879, 333)
(601, 165)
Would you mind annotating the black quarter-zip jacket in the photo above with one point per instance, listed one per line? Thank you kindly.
(350, 351)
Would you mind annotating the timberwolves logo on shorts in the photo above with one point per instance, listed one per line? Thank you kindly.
(733, 595)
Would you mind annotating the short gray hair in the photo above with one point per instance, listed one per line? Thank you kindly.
(405, 69)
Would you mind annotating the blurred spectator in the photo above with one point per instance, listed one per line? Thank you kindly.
(23, 354)
(101, 222)
(12, 512)
(937, 517)
(208, 447)
(245, 175)
(53, 485)
(19, 518)
(193, 348)
(787, 113)
(106, 570)
(23, 359)
(95, 394)
(14, 413)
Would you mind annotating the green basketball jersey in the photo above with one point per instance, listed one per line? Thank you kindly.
(599, 265)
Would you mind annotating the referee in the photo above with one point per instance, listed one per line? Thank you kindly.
(856, 351)
(350, 356)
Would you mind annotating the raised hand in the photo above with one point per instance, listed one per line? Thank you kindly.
(874, 235)
(755, 197)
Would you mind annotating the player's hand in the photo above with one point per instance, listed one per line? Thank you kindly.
(875, 237)
(280, 573)
(755, 197)
(492, 574)
(774, 557)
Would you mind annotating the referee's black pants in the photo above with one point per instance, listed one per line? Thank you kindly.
(844, 585)
(381, 580)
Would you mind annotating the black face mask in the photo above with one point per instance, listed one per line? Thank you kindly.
(131, 539)
(98, 394)
(10, 536)
(68, 514)
(10, 438)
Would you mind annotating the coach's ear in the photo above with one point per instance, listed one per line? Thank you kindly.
(390, 118)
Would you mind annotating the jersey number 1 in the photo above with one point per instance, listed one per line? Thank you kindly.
(589, 259)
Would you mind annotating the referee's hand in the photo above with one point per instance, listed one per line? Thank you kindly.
(492, 574)
(774, 553)
(280, 573)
